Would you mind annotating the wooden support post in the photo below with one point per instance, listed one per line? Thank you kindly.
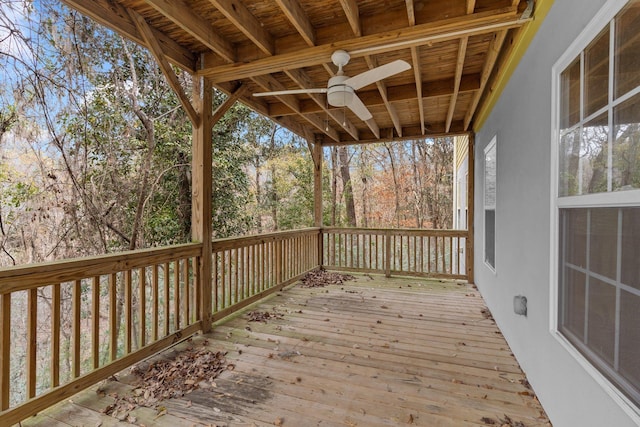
(470, 208)
(317, 195)
(201, 193)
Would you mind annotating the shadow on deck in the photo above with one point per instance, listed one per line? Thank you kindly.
(371, 352)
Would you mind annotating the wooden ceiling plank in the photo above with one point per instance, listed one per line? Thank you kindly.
(471, 6)
(186, 18)
(411, 13)
(156, 51)
(447, 29)
(114, 16)
(243, 19)
(228, 103)
(417, 72)
(492, 56)
(270, 83)
(301, 78)
(462, 51)
(297, 16)
(350, 8)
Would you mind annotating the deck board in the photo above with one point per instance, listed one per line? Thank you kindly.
(370, 352)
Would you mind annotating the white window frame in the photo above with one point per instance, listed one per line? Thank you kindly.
(491, 146)
(608, 199)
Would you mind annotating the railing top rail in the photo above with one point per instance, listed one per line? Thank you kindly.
(18, 278)
(234, 242)
(397, 231)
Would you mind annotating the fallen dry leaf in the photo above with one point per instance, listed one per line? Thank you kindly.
(278, 422)
(320, 277)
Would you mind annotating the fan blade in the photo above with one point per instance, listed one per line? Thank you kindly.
(292, 92)
(377, 74)
(360, 110)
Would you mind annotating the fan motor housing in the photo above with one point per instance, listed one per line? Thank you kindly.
(339, 94)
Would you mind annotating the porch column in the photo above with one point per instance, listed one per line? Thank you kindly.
(201, 189)
(471, 160)
(317, 195)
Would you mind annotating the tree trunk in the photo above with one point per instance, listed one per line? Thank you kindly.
(347, 186)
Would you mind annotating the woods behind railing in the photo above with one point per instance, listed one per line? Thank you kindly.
(66, 325)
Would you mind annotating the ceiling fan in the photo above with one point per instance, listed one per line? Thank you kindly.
(341, 88)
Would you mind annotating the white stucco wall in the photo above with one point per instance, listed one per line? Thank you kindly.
(522, 122)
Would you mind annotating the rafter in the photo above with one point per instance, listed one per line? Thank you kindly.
(448, 29)
(492, 55)
(299, 19)
(241, 17)
(471, 6)
(115, 16)
(411, 13)
(182, 15)
(417, 75)
(350, 8)
(462, 51)
(156, 51)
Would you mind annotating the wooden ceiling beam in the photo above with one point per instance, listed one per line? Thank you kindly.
(462, 52)
(182, 15)
(418, 35)
(114, 16)
(408, 133)
(350, 8)
(297, 16)
(411, 13)
(417, 73)
(172, 79)
(433, 89)
(243, 19)
(492, 56)
(471, 6)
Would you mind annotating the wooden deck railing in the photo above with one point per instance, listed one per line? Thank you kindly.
(431, 253)
(246, 268)
(86, 319)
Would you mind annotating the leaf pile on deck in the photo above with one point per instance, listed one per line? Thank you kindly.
(164, 379)
(321, 277)
(263, 316)
(503, 422)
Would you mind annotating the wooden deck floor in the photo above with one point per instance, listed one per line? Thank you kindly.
(371, 352)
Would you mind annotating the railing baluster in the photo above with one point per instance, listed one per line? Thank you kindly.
(128, 310)
(32, 342)
(176, 295)
(167, 285)
(142, 305)
(187, 294)
(113, 337)
(77, 290)
(55, 335)
(155, 279)
(5, 350)
(95, 322)
(197, 297)
(216, 282)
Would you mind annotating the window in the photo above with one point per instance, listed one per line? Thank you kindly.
(597, 207)
(490, 204)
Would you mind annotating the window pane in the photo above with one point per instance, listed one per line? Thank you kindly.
(594, 155)
(569, 163)
(570, 95)
(626, 145)
(627, 45)
(490, 177)
(489, 237)
(631, 249)
(630, 339)
(575, 231)
(603, 239)
(574, 302)
(602, 315)
(596, 70)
